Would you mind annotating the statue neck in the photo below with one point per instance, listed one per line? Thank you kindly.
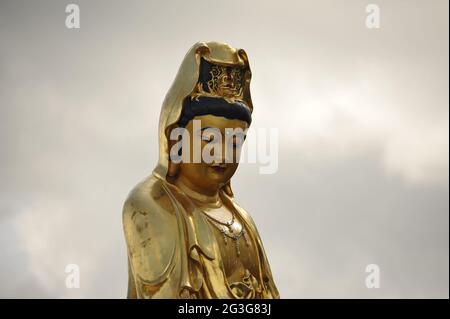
(211, 199)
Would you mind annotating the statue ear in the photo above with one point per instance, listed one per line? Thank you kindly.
(173, 169)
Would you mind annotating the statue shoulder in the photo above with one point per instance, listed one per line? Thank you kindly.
(149, 195)
(149, 225)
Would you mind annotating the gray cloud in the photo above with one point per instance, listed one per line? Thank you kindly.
(363, 157)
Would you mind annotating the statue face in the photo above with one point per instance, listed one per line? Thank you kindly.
(220, 141)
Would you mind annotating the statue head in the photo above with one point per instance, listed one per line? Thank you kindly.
(205, 117)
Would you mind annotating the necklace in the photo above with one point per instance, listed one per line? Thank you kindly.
(228, 223)
(227, 232)
(226, 228)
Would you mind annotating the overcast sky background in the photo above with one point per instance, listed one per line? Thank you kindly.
(363, 119)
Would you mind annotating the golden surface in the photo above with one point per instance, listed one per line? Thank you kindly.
(185, 234)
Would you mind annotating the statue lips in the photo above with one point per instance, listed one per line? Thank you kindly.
(219, 168)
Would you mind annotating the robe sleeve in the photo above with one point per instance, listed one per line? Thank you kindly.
(150, 233)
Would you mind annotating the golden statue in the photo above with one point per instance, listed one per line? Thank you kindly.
(185, 234)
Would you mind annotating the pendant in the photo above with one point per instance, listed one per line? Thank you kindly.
(247, 240)
(224, 236)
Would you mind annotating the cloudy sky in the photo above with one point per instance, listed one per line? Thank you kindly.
(363, 124)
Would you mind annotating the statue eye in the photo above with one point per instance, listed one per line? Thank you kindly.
(210, 138)
(238, 141)
(211, 135)
(206, 138)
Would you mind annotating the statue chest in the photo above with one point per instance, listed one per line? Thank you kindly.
(239, 257)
